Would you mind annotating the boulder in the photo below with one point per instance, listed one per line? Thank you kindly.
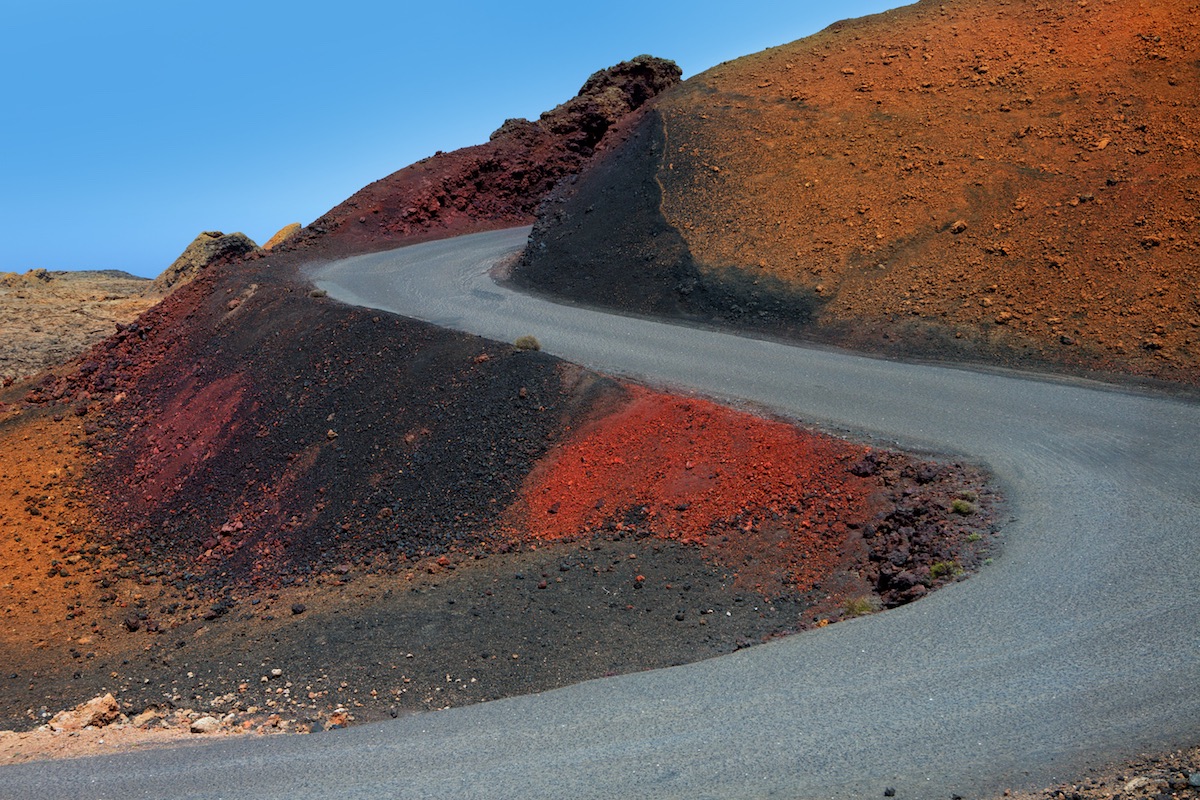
(206, 724)
(96, 713)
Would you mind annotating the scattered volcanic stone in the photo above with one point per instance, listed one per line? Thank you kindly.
(205, 725)
(97, 712)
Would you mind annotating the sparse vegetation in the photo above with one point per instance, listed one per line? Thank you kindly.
(974, 537)
(527, 343)
(961, 506)
(944, 569)
(860, 606)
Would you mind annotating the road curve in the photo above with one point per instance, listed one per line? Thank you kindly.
(1078, 645)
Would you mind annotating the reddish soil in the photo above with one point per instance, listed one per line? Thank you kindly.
(784, 509)
(962, 180)
(709, 476)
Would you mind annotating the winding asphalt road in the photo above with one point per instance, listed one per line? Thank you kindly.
(1080, 644)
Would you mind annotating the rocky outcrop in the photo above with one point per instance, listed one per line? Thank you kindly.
(607, 97)
(207, 249)
(498, 183)
(283, 235)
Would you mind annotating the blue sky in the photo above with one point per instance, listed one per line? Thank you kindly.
(131, 126)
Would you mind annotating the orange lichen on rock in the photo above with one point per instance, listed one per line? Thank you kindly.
(754, 492)
(283, 235)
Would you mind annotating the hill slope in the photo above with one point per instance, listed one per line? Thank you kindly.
(251, 474)
(970, 180)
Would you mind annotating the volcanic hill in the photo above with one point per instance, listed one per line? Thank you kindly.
(256, 503)
(963, 180)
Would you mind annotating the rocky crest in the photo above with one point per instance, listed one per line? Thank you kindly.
(207, 249)
(284, 234)
(498, 183)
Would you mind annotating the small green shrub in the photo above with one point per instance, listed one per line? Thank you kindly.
(960, 506)
(527, 343)
(944, 569)
(859, 606)
(974, 537)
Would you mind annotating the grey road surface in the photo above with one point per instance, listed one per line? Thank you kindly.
(1079, 644)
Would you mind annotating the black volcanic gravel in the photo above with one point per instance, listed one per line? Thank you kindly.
(341, 435)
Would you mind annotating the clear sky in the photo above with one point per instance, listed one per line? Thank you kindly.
(130, 126)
